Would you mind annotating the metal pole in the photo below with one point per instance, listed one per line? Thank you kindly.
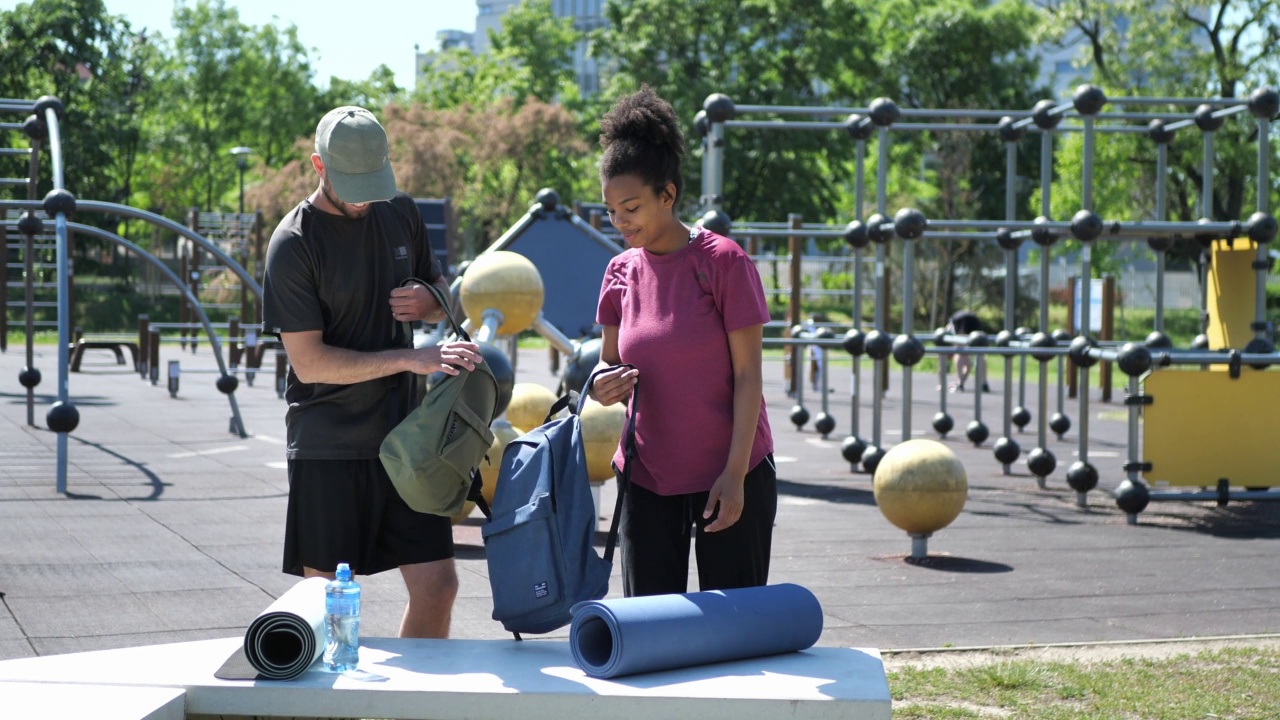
(1206, 170)
(64, 291)
(1010, 283)
(908, 308)
(881, 366)
(859, 191)
(1086, 175)
(715, 135)
(1086, 255)
(1264, 259)
(1135, 416)
(1162, 212)
(28, 261)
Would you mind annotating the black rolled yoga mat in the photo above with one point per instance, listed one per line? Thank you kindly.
(288, 636)
(612, 638)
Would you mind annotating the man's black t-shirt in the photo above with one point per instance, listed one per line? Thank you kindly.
(330, 273)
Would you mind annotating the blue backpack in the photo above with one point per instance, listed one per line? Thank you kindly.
(539, 540)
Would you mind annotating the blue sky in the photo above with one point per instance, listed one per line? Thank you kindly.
(349, 39)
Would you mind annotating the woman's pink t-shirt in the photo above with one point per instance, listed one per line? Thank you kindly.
(673, 313)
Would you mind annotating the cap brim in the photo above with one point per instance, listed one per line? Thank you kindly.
(364, 187)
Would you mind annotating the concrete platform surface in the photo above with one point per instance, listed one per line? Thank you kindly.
(485, 679)
(171, 529)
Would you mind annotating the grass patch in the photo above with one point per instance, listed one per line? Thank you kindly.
(1236, 683)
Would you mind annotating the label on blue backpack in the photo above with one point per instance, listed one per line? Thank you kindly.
(540, 590)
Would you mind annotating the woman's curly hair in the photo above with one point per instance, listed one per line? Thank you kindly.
(641, 136)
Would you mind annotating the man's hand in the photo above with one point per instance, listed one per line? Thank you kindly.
(446, 358)
(412, 302)
(614, 385)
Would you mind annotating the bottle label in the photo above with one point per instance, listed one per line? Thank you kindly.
(340, 605)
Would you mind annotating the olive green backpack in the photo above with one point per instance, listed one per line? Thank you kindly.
(433, 456)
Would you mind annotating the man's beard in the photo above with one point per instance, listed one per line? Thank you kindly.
(345, 208)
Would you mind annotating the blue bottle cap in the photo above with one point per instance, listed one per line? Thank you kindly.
(344, 572)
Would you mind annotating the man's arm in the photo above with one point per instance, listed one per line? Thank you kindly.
(315, 362)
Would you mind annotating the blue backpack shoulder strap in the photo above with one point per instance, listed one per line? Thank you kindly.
(628, 452)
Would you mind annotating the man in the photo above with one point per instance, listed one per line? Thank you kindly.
(332, 292)
(964, 322)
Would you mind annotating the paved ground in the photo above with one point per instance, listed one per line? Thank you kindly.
(171, 531)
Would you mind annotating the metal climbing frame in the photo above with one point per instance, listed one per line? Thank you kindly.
(719, 115)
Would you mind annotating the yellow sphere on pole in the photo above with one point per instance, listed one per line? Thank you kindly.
(504, 281)
(601, 429)
(920, 486)
(503, 433)
(529, 405)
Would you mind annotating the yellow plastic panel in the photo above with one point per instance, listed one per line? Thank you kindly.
(1232, 294)
(1203, 426)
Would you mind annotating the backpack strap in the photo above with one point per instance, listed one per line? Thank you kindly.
(628, 453)
(443, 299)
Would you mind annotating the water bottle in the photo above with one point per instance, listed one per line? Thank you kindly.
(341, 621)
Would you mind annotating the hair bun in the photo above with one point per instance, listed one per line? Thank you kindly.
(642, 117)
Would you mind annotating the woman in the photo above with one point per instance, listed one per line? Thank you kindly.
(686, 308)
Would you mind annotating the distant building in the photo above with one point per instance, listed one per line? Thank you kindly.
(587, 16)
(446, 40)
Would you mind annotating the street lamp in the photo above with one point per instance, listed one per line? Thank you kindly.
(242, 154)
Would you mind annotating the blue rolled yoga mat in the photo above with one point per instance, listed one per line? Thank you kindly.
(611, 638)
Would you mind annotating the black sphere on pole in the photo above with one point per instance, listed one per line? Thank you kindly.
(1088, 99)
(851, 449)
(1206, 120)
(718, 107)
(1159, 132)
(909, 223)
(1262, 228)
(907, 350)
(1264, 102)
(884, 112)
(854, 342)
(1082, 477)
(63, 417)
(855, 234)
(1006, 451)
(1043, 117)
(1041, 462)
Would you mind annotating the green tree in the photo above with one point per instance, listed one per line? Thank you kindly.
(1178, 48)
(98, 67)
(766, 52)
(956, 54)
(223, 84)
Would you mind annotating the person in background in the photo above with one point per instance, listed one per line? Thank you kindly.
(686, 308)
(341, 284)
(964, 322)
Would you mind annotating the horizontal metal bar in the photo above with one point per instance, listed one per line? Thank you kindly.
(1196, 495)
(802, 233)
(1139, 100)
(1165, 357)
(14, 151)
(784, 125)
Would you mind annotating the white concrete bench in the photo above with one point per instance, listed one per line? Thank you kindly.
(102, 702)
(477, 679)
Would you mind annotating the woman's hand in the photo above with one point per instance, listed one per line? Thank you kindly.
(727, 492)
(614, 385)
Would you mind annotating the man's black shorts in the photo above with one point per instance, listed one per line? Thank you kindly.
(348, 511)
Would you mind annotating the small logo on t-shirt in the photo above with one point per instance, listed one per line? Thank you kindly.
(402, 253)
(540, 590)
